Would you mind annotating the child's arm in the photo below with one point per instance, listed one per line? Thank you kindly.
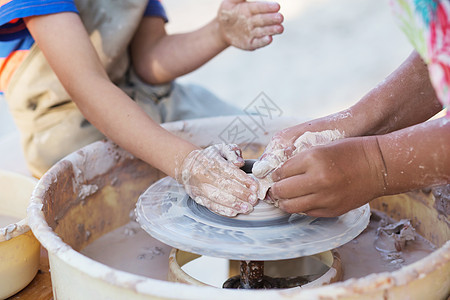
(330, 180)
(66, 45)
(159, 58)
(64, 41)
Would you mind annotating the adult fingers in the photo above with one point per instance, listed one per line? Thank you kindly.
(325, 213)
(263, 167)
(303, 204)
(292, 187)
(294, 166)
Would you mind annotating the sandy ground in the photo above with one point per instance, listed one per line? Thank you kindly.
(331, 53)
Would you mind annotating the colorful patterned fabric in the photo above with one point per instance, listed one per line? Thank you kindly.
(426, 23)
(16, 41)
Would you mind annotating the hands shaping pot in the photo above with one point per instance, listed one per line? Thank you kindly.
(213, 178)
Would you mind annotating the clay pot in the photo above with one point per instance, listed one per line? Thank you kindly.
(92, 191)
(19, 249)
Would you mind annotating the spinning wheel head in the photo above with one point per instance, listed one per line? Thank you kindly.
(167, 213)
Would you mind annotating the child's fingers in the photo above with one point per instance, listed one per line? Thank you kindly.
(232, 153)
(231, 187)
(261, 42)
(236, 174)
(267, 31)
(225, 198)
(261, 20)
(263, 7)
(215, 207)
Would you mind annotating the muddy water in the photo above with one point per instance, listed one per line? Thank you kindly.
(131, 249)
(7, 220)
(360, 257)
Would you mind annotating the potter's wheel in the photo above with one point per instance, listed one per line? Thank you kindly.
(167, 213)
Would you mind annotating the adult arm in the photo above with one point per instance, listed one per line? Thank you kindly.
(159, 57)
(404, 98)
(333, 179)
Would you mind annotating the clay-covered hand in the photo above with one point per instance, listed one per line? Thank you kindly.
(213, 178)
(282, 143)
(249, 25)
(329, 180)
(279, 149)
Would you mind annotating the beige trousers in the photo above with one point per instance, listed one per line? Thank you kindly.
(51, 125)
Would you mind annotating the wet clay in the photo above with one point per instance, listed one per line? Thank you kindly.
(374, 252)
(263, 211)
(7, 220)
(275, 157)
(131, 249)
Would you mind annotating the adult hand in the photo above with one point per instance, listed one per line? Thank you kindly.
(212, 178)
(282, 143)
(329, 180)
(249, 25)
(280, 150)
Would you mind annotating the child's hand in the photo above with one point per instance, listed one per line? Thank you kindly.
(212, 178)
(329, 180)
(249, 25)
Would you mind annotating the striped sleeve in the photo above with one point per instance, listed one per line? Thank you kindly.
(12, 12)
(155, 9)
(15, 39)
